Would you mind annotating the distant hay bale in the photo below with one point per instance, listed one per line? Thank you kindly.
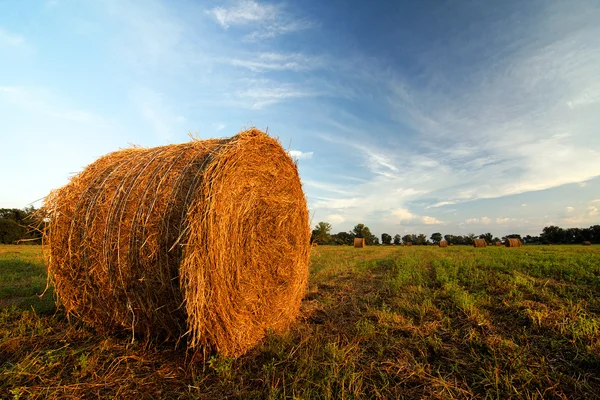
(451, 244)
(443, 243)
(587, 243)
(511, 242)
(359, 242)
(409, 243)
(498, 244)
(206, 241)
(479, 243)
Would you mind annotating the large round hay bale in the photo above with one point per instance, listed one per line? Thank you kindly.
(443, 243)
(587, 243)
(359, 242)
(207, 241)
(512, 242)
(479, 243)
(497, 244)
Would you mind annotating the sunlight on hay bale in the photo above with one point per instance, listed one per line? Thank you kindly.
(511, 242)
(479, 243)
(443, 243)
(207, 241)
(359, 242)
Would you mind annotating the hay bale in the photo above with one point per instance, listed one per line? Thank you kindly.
(409, 244)
(359, 242)
(451, 244)
(513, 243)
(443, 243)
(479, 243)
(498, 244)
(587, 243)
(207, 241)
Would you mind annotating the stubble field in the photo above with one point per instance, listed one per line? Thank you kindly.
(379, 322)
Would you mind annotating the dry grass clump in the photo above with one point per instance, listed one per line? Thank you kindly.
(443, 243)
(479, 243)
(207, 241)
(511, 242)
(587, 243)
(359, 242)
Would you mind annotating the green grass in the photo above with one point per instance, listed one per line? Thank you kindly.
(379, 322)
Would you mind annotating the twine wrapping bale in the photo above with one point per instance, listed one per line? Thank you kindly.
(479, 243)
(359, 242)
(587, 243)
(207, 240)
(512, 242)
(443, 243)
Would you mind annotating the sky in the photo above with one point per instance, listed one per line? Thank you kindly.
(410, 117)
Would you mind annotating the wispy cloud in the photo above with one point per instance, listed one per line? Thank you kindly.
(10, 39)
(260, 93)
(153, 109)
(278, 62)
(264, 20)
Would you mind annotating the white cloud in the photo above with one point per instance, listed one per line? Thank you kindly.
(10, 39)
(335, 218)
(430, 220)
(570, 209)
(504, 220)
(300, 155)
(264, 20)
(260, 93)
(523, 205)
(403, 214)
(278, 62)
(441, 203)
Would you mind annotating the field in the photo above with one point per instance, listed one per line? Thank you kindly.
(379, 322)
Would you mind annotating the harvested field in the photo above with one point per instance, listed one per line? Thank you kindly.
(387, 322)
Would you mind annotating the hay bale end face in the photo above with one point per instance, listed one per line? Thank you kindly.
(207, 241)
(443, 243)
(479, 243)
(511, 242)
(359, 242)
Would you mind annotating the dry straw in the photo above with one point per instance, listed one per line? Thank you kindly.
(479, 243)
(207, 241)
(443, 243)
(359, 242)
(512, 242)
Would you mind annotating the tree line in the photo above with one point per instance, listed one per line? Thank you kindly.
(19, 225)
(551, 234)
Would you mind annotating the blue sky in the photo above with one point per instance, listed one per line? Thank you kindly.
(410, 117)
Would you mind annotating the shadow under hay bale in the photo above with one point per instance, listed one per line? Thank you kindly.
(479, 243)
(513, 243)
(207, 241)
(443, 243)
(359, 242)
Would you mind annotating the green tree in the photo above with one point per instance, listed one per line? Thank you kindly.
(342, 238)
(361, 231)
(421, 239)
(321, 233)
(386, 239)
(397, 239)
(487, 236)
(436, 238)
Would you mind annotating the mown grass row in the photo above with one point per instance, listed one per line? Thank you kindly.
(379, 322)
